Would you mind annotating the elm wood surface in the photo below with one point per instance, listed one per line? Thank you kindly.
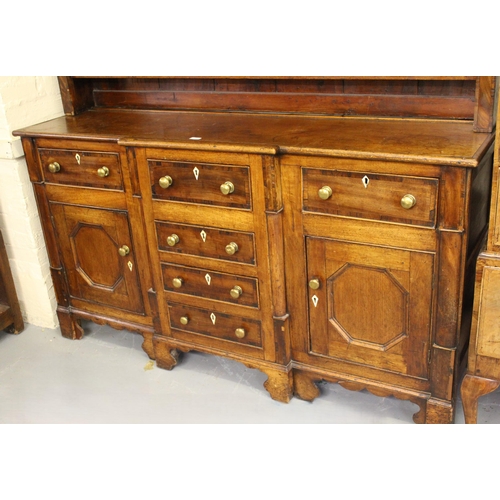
(483, 368)
(470, 98)
(423, 141)
(422, 259)
(10, 312)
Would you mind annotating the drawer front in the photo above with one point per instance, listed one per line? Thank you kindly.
(206, 242)
(81, 168)
(371, 196)
(211, 285)
(215, 324)
(200, 183)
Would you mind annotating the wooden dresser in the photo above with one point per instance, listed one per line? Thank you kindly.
(311, 228)
(483, 370)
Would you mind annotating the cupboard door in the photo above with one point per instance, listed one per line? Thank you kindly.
(370, 305)
(97, 251)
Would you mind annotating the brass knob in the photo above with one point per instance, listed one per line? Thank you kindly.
(103, 172)
(165, 182)
(124, 250)
(240, 333)
(232, 248)
(236, 292)
(314, 284)
(172, 240)
(184, 320)
(325, 192)
(408, 201)
(177, 282)
(227, 188)
(54, 167)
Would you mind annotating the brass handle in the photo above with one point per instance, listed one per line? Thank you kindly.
(172, 240)
(177, 282)
(314, 284)
(184, 320)
(240, 333)
(325, 192)
(124, 250)
(165, 181)
(408, 201)
(236, 292)
(231, 248)
(103, 172)
(54, 167)
(227, 188)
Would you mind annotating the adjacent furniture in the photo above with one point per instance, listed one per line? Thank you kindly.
(11, 318)
(483, 369)
(312, 228)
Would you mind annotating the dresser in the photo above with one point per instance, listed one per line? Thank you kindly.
(483, 369)
(316, 229)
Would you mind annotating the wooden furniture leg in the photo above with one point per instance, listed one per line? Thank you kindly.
(10, 312)
(473, 387)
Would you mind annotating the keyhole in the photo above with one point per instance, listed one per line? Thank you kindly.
(365, 181)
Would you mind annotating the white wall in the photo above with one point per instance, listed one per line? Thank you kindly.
(25, 100)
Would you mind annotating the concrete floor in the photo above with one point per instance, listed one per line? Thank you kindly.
(107, 378)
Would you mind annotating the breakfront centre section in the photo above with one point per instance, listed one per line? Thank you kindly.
(316, 229)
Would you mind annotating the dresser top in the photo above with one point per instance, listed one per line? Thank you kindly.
(445, 142)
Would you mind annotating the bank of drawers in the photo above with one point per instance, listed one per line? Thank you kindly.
(226, 305)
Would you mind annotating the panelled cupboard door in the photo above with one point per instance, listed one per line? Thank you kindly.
(98, 255)
(370, 305)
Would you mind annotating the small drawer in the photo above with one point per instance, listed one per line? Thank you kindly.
(215, 324)
(211, 285)
(206, 242)
(81, 168)
(201, 183)
(392, 198)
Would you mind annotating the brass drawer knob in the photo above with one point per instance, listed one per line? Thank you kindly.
(231, 248)
(325, 192)
(227, 188)
(240, 333)
(54, 167)
(177, 282)
(408, 201)
(314, 284)
(172, 240)
(103, 172)
(124, 250)
(236, 292)
(184, 320)
(165, 181)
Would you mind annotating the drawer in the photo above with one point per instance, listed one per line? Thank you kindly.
(201, 183)
(392, 198)
(211, 285)
(81, 168)
(206, 242)
(215, 324)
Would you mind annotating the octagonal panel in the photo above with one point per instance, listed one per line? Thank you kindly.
(368, 306)
(96, 255)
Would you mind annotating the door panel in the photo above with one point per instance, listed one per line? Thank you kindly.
(372, 306)
(91, 239)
